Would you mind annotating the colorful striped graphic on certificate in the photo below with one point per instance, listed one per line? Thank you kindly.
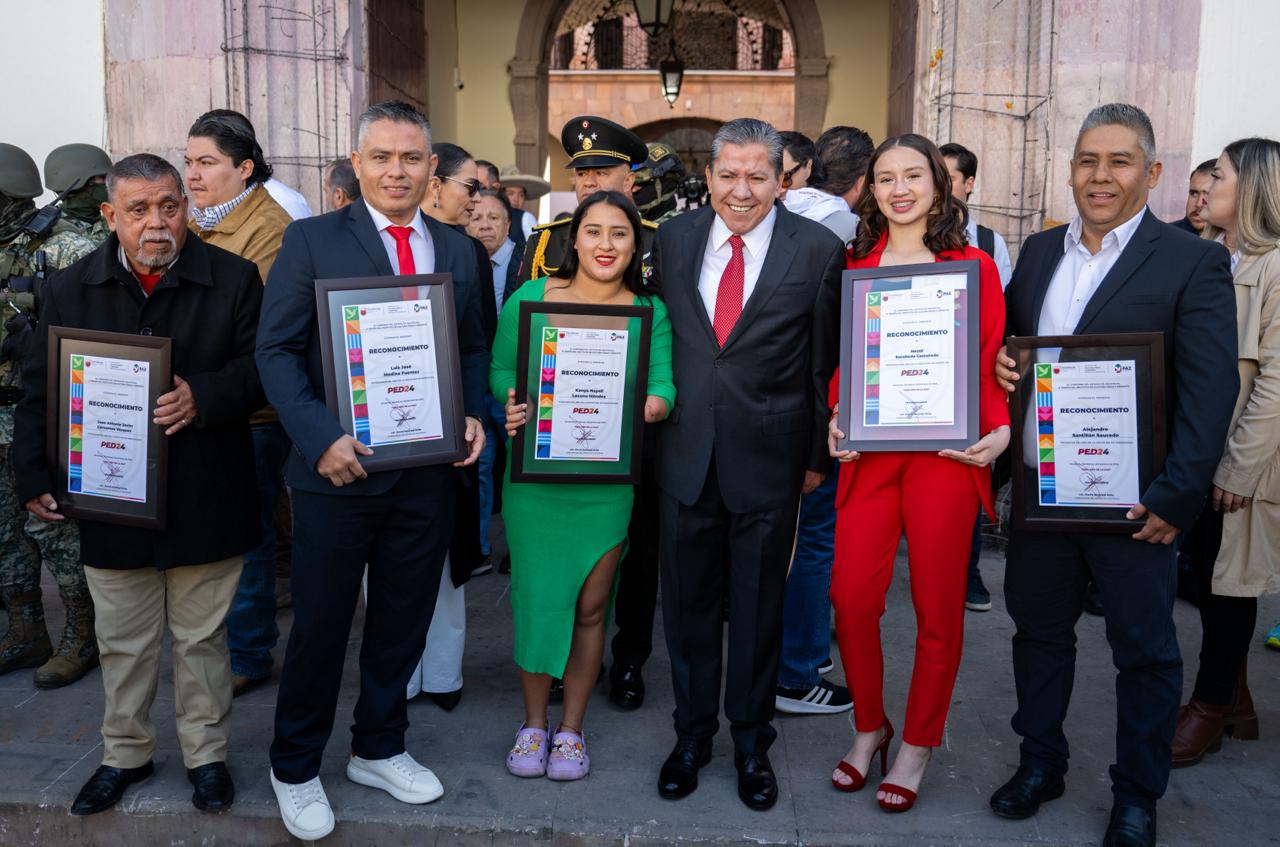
(1044, 433)
(871, 400)
(75, 423)
(546, 393)
(355, 373)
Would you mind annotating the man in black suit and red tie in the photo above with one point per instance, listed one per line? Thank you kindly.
(752, 293)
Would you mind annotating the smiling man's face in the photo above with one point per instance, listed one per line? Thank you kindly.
(743, 184)
(1110, 177)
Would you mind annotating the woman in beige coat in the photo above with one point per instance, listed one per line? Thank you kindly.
(1237, 545)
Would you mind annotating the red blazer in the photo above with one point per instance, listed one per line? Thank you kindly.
(993, 403)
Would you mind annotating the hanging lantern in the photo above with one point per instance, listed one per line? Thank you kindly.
(671, 72)
(654, 15)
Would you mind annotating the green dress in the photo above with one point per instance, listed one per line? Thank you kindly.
(558, 532)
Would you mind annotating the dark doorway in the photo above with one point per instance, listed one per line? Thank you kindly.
(398, 52)
(689, 137)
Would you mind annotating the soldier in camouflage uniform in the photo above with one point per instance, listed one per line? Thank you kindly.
(24, 543)
(81, 171)
(657, 181)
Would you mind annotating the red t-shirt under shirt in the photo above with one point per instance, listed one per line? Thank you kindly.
(148, 281)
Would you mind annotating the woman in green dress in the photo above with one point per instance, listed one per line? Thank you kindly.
(566, 540)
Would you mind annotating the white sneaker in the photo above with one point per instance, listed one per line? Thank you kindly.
(304, 808)
(400, 776)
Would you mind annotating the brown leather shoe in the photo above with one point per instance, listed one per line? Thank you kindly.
(245, 684)
(1241, 722)
(1199, 732)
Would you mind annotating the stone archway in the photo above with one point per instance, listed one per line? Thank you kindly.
(528, 71)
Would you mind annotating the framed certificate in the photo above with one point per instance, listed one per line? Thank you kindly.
(584, 371)
(389, 347)
(1088, 429)
(110, 461)
(909, 357)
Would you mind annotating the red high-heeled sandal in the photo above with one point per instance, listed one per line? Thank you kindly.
(908, 796)
(856, 779)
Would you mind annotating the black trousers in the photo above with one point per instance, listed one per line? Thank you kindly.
(706, 549)
(403, 535)
(637, 597)
(1227, 623)
(1044, 588)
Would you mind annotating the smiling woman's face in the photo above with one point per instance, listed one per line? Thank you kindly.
(605, 243)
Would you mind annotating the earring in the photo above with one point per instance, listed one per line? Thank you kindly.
(437, 202)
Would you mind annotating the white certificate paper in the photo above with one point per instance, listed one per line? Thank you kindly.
(392, 367)
(580, 406)
(916, 353)
(1087, 417)
(109, 426)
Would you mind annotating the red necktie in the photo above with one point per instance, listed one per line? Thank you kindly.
(404, 253)
(729, 294)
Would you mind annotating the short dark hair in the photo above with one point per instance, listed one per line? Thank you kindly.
(485, 164)
(233, 135)
(799, 145)
(342, 175)
(843, 153)
(1126, 115)
(145, 166)
(450, 157)
(632, 277)
(946, 219)
(500, 196)
(1205, 167)
(966, 162)
(392, 110)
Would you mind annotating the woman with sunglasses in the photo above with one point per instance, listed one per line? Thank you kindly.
(805, 192)
(567, 540)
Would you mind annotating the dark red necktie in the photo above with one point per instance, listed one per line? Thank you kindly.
(404, 253)
(729, 294)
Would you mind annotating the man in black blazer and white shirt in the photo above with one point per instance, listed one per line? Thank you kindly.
(752, 293)
(1116, 268)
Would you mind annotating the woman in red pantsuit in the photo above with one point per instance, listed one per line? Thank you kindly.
(909, 216)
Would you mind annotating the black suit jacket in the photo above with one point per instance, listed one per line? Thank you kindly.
(337, 245)
(1184, 225)
(759, 404)
(208, 303)
(1169, 282)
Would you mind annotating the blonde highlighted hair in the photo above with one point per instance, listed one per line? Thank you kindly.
(1257, 165)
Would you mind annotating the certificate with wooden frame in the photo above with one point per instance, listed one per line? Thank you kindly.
(110, 462)
(392, 375)
(1088, 432)
(584, 371)
(909, 357)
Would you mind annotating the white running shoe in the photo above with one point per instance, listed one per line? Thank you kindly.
(304, 808)
(400, 776)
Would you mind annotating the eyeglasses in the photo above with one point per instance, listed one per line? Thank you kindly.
(473, 185)
(788, 175)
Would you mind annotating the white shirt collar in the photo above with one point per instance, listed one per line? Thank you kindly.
(381, 221)
(1119, 236)
(756, 241)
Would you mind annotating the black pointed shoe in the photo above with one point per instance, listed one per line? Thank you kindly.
(757, 785)
(105, 788)
(626, 689)
(1130, 826)
(1022, 795)
(679, 775)
(215, 791)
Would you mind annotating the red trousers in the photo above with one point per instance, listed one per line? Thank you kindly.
(935, 500)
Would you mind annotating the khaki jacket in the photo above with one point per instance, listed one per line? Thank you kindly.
(253, 230)
(1248, 563)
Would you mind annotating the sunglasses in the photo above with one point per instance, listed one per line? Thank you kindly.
(473, 185)
(787, 176)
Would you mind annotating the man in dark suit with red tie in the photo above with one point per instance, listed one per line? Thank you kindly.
(752, 293)
(399, 522)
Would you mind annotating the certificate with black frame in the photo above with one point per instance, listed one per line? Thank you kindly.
(392, 375)
(584, 371)
(110, 461)
(1089, 433)
(909, 357)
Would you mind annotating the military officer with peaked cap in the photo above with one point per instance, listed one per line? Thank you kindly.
(603, 156)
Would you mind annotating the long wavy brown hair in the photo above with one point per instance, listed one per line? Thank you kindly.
(946, 219)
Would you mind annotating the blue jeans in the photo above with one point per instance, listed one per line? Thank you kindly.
(251, 623)
(806, 609)
(494, 430)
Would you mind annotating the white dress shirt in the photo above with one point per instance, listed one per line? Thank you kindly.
(718, 252)
(424, 252)
(501, 261)
(292, 201)
(1001, 257)
(1079, 274)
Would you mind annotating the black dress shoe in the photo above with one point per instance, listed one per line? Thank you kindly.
(679, 775)
(627, 688)
(214, 789)
(1022, 795)
(447, 700)
(105, 788)
(1130, 826)
(757, 786)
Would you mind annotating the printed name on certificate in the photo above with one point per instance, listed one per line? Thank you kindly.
(109, 424)
(582, 392)
(391, 366)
